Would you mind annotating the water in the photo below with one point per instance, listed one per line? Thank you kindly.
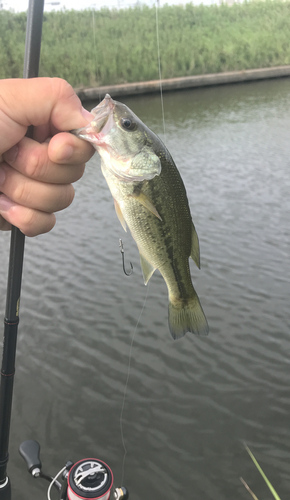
(192, 403)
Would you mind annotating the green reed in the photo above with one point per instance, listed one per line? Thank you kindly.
(270, 486)
(193, 40)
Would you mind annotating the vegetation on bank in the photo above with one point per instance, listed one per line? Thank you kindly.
(90, 48)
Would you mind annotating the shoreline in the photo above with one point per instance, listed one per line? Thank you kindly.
(186, 82)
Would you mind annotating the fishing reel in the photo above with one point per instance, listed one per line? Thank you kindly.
(87, 479)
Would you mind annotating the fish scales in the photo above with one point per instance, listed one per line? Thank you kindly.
(170, 238)
(151, 199)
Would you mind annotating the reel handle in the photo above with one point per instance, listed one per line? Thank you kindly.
(30, 451)
(121, 493)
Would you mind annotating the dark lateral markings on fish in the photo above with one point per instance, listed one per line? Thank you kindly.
(150, 198)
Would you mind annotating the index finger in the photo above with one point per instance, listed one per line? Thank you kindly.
(37, 101)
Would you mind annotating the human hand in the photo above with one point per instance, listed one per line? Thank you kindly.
(36, 175)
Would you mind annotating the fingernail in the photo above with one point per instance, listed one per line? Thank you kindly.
(65, 153)
(11, 155)
(5, 203)
(2, 176)
(87, 115)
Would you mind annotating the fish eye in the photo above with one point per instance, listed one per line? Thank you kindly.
(128, 124)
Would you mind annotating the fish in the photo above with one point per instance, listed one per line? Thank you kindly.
(150, 198)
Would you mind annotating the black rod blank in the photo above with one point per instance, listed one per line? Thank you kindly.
(33, 38)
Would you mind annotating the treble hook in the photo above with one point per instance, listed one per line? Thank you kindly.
(123, 259)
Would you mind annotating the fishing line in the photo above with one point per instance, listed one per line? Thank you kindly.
(144, 303)
(159, 69)
(53, 481)
(96, 72)
(94, 36)
(126, 386)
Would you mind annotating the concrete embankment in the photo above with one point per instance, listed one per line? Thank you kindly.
(126, 89)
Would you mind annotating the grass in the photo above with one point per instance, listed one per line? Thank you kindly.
(271, 488)
(90, 48)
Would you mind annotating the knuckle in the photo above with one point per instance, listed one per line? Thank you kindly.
(64, 197)
(34, 223)
(68, 195)
(21, 193)
(61, 87)
(33, 165)
(79, 172)
(29, 222)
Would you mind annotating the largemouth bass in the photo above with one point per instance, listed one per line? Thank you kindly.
(150, 199)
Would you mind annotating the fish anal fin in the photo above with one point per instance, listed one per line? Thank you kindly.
(144, 200)
(120, 215)
(147, 268)
(195, 247)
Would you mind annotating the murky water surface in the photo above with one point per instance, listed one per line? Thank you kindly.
(191, 403)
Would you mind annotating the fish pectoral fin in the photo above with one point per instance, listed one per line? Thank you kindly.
(120, 215)
(195, 247)
(147, 268)
(142, 198)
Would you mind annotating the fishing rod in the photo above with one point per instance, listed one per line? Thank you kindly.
(11, 319)
(89, 478)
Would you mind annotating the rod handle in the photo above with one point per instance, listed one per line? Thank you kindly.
(30, 452)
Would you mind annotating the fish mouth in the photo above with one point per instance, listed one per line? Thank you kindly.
(101, 124)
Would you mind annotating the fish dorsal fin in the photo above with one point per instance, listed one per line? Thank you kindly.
(195, 247)
(142, 198)
(147, 268)
(120, 215)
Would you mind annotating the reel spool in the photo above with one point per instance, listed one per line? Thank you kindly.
(89, 479)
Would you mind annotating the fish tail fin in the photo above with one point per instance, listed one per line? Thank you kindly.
(186, 315)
